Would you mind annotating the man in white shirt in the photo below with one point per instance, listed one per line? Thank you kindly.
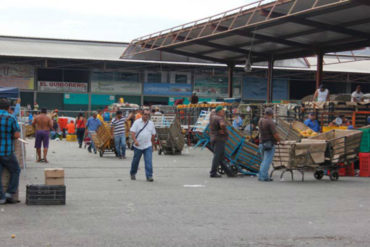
(357, 95)
(143, 134)
(321, 94)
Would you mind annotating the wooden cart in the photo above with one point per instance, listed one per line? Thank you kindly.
(169, 134)
(103, 140)
(342, 149)
(299, 156)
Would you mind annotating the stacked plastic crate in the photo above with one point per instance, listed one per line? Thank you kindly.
(365, 153)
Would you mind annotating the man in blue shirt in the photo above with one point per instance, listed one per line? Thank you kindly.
(312, 123)
(9, 131)
(238, 122)
(92, 126)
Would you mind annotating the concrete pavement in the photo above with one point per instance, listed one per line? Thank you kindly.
(183, 207)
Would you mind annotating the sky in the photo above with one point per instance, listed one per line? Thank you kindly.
(108, 20)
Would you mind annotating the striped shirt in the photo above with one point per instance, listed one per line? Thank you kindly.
(119, 126)
(8, 126)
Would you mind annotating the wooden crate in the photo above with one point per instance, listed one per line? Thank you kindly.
(343, 145)
(46, 195)
(292, 154)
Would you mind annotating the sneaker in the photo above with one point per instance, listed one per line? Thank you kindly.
(89, 149)
(2, 201)
(150, 179)
(133, 177)
(215, 176)
(123, 157)
(11, 201)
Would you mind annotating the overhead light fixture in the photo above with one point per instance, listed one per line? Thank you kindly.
(248, 65)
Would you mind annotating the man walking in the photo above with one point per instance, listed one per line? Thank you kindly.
(9, 131)
(42, 124)
(92, 126)
(219, 135)
(143, 134)
(119, 133)
(268, 138)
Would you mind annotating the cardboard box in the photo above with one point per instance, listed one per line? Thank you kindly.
(54, 173)
(54, 181)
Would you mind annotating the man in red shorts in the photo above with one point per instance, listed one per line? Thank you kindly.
(42, 123)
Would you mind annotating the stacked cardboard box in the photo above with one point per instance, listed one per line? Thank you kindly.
(20, 148)
(54, 176)
(20, 153)
(5, 177)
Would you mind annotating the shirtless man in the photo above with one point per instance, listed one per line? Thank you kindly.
(42, 123)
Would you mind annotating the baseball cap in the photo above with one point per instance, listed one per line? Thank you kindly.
(269, 111)
(219, 108)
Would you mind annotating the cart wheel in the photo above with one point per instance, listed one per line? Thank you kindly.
(160, 151)
(334, 176)
(319, 175)
(101, 153)
(234, 169)
(220, 170)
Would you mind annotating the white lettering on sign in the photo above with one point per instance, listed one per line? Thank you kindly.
(56, 86)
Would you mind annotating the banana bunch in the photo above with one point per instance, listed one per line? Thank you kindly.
(308, 133)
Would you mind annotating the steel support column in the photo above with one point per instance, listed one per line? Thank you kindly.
(270, 85)
(230, 75)
(319, 69)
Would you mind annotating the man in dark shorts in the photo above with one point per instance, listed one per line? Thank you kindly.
(42, 123)
(219, 137)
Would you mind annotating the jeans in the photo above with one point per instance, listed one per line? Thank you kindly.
(11, 163)
(120, 143)
(92, 146)
(267, 157)
(218, 148)
(147, 158)
(80, 135)
(53, 135)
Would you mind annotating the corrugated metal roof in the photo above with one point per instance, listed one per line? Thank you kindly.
(59, 48)
(265, 29)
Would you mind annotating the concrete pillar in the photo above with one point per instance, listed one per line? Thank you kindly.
(270, 85)
(319, 69)
(230, 82)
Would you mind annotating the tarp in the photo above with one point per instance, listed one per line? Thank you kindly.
(9, 92)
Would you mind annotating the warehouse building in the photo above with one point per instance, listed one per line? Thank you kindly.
(76, 75)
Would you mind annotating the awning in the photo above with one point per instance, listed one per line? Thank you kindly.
(9, 92)
(265, 29)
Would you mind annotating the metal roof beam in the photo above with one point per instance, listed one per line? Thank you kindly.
(343, 46)
(318, 25)
(265, 37)
(218, 47)
(301, 33)
(188, 54)
(363, 2)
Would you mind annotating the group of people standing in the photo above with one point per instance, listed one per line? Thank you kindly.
(267, 141)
